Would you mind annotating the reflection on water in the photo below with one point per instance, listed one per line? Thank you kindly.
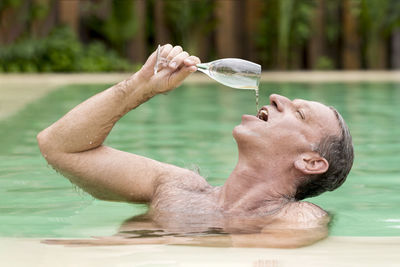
(192, 126)
(143, 229)
(159, 233)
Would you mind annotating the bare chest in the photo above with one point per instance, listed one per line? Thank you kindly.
(185, 200)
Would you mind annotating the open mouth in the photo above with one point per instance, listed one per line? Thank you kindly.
(263, 114)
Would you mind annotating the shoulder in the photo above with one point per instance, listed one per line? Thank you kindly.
(303, 214)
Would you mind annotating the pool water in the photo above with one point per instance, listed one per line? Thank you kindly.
(191, 127)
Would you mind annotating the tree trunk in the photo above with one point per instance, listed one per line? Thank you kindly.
(5, 20)
(225, 30)
(376, 41)
(69, 14)
(351, 40)
(396, 49)
(41, 27)
(376, 53)
(253, 16)
(13, 22)
(285, 18)
(317, 41)
(161, 30)
(137, 51)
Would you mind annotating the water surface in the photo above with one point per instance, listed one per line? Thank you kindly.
(191, 127)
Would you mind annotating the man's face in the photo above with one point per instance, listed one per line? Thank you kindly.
(285, 127)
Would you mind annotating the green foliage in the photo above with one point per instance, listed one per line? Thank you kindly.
(284, 27)
(120, 26)
(281, 39)
(39, 10)
(9, 4)
(97, 58)
(300, 28)
(268, 33)
(115, 28)
(393, 16)
(59, 52)
(324, 63)
(373, 17)
(189, 21)
(378, 20)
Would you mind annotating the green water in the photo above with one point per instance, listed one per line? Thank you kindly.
(191, 127)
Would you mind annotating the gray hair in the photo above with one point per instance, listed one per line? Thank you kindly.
(339, 152)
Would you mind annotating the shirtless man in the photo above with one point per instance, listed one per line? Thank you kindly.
(289, 151)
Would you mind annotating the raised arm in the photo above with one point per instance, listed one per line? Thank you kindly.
(74, 144)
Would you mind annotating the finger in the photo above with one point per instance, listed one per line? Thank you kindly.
(165, 50)
(161, 59)
(174, 52)
(147, 68)
(151, 60)
(191, 61)
(178, 59)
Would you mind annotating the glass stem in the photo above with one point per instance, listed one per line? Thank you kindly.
(203, 66)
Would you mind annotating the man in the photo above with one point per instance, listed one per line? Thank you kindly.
(289, 151)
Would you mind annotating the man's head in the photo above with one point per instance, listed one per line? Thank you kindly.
(304, 144)
(338, 151)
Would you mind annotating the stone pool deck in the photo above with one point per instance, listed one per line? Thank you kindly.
(333, 251)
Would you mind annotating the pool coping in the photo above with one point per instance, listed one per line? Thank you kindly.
(18, 90)
(266, 76)
(333, 251)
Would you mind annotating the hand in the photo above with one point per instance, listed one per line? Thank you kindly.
(170, 76)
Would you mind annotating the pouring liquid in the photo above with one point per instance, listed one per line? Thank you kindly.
(257, 100)
(232, 77)
(232, 72)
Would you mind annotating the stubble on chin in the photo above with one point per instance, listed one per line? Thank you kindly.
(241, 132)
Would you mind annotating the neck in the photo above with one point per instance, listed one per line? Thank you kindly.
(255, 189)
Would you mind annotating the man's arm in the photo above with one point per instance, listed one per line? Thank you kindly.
(74, 144)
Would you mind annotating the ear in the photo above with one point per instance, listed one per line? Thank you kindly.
(311, 163)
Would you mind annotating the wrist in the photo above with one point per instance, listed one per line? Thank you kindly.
(134, 90)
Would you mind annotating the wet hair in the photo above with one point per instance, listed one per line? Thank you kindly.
(339, 152)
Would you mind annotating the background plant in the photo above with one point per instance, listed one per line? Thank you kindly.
(107, 35)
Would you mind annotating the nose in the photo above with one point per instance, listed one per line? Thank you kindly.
(279, 101)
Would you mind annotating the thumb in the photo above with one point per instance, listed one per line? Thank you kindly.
(148, 67)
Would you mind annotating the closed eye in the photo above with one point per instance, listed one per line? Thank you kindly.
(301, 113)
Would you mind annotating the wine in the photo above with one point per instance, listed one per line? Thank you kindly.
(232, 72)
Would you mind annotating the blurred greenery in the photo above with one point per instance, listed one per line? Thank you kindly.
(9, 3)
(116, 28)
(285, 27)
(279, 34)
(189, 21)
(61, 51)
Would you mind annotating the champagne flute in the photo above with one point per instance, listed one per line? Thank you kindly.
(233, 72)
